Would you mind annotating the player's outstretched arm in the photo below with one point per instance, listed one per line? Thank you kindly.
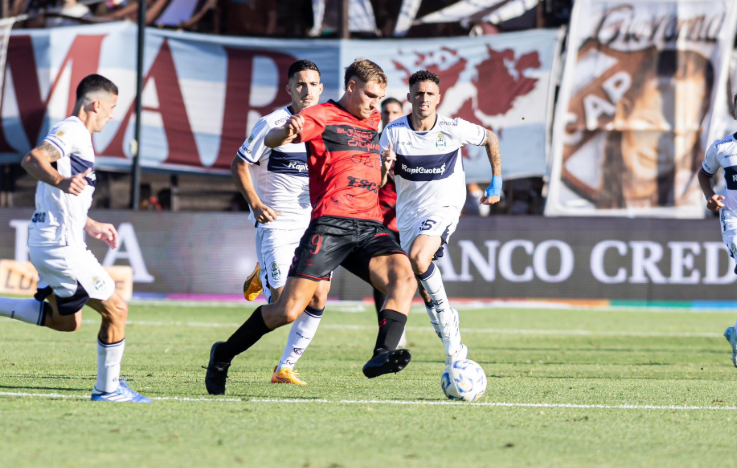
(713, 201)
(102, 231)
(38, 164)
(242, 177)
(388, 156)
(494, 192)
(287, 133)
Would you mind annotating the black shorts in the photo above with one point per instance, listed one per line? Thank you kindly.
(351, 243)
(66, 305)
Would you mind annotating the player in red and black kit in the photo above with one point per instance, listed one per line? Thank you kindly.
(391, 109)
(345, 173)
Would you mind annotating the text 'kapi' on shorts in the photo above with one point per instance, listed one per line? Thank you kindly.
(351, 243)
(275, 252)
(440, 223)
(73, 274)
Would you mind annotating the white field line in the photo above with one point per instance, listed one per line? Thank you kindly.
(357, 307)
(491, 331)
(392, 402)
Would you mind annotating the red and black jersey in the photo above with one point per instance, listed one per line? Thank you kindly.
(343, 162)
(388, 202)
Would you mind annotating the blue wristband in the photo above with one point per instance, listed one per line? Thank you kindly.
(495, 189)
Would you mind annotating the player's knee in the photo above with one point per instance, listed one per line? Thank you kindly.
(420, 263)
(291, 315)
(67, 323)
(404, 281)
(116, 311)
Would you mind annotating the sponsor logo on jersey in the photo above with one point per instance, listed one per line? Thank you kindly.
(423, 170)
(250, 139)
(297, 166)
(280, 122)
(449, 122)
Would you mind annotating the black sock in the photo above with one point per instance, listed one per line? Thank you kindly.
(391, 327)
(243, 338)
(379, 300)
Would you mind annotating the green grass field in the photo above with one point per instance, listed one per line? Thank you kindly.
(634, 364)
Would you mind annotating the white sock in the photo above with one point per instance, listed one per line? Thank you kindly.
(26, 310)
(447, 319)
(433, 314)
(433, 284)
(108, 365)
(300, 336)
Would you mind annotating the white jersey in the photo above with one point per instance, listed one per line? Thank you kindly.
(279, 174)
(723, 153)
(60, 217)
(429, 167)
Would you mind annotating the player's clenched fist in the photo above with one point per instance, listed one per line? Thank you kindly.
(388, 156)
(715, 202)
(294, 125)
(75, 185)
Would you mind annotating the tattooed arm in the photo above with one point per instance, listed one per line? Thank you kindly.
(38, 164)
(495, 159)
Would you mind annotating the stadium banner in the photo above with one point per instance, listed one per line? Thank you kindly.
(640, 85)
(487, 258)
(203, 94)
(503, 82)
(21, 278)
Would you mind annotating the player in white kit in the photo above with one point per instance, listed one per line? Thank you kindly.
(425, 149)
(70, 275)
(274, 182)
(723, 153)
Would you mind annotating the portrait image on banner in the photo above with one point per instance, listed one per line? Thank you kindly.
(635, 106)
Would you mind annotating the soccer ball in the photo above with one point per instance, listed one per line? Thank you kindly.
(463, 380)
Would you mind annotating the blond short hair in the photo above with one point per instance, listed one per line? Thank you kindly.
(365, 70)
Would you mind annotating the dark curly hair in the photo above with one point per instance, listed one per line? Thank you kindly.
(423, 75)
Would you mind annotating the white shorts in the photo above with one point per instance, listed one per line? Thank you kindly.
(441, 223)
(275, 251)
(730, 238)
(73, 274)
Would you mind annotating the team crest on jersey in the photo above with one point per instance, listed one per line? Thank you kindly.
(60, 133)
(250, 139)
(440, 141)
(275, 271)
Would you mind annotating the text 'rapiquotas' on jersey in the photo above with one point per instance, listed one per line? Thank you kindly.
(279, 174)
(429, 168)
(344, 162)
(60, 217)
(723, 153)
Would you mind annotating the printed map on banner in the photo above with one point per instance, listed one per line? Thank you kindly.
(501, 82)
(635, 105)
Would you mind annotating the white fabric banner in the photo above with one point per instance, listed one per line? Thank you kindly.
(501, 82)
(634, 107)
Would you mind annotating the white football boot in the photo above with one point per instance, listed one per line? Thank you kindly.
(449, 321)
(731, 335)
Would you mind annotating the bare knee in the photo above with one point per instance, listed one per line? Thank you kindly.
(291, 315)
(65, 323)
(116, 311)
(420, 262)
